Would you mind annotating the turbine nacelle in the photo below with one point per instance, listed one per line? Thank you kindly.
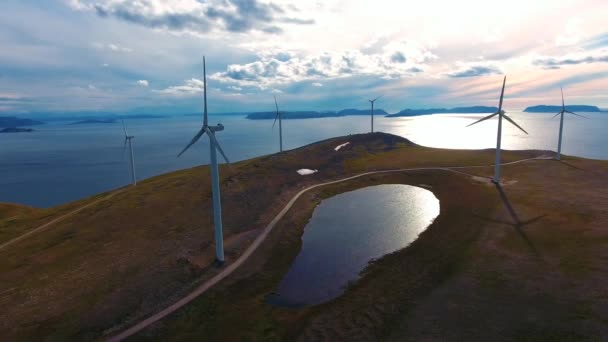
(216, 128)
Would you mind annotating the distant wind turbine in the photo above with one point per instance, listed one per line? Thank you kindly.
(279, 116)
(372, 113)
(214, 146)
(561, 124)
(501, 114)
(129, 140)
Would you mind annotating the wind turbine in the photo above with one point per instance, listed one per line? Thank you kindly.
(214, 146)
(561, 124)
(501, 114)
(129, 140)
(372, 113)
(280, 117)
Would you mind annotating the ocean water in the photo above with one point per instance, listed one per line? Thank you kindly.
(59, 162)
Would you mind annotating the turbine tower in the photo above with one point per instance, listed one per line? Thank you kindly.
(129, 141)
(501, 114)
(372, 112)
(280, 117)
(561, 125)
(215, 181)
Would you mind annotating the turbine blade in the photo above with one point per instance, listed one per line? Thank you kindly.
(275, 120)
(563, 103)
(482, 119)
(502, 94)
(193, 141)
(569, 112)
(374, 100)
(217, 145)
(558, 113)
(205, 121)
(124, 128)
(276, 105)
(124, 149)
(513, 122)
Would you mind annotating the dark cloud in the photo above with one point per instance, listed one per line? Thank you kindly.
(474, 71)
(231, 15)
(398, 57)
(556, 63)
(415, 69)
(177, 22)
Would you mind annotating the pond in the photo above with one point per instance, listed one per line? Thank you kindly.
(346, 232)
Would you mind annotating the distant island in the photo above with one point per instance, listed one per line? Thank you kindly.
(349, 112)
(555, 109)
(457, 110)
(313, 114)
(16, 130)
(13, 121)
(94, 121)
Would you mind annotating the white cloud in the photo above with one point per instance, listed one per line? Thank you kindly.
(571, 35)
(317, 84)
(190, 87)
(112, 47)
(143, 83)
(394, 60)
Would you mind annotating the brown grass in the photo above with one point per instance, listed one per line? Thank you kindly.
(121, 260)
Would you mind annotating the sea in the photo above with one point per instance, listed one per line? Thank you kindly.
(61, 162)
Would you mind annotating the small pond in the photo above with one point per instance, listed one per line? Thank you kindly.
(346, 232)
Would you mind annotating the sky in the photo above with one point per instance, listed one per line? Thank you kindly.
(145, 56)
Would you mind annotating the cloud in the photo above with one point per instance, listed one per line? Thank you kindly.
(598, 41)
(195, 16)
(571, 35)
(395, 60)
(143, 83)
(317, 84)
(112, 47)
(190, 87)
(600, 56)
(474, 71)
(398, 57)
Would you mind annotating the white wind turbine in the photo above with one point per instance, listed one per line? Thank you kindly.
(129, 140)
(215, 181)
(501, 114)
(279, 116)
(372, 112)
(561, 125)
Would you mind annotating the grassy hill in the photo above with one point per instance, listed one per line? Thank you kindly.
(124, 258)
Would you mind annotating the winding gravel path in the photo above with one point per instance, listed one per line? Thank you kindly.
(258, 241)
(56, 220)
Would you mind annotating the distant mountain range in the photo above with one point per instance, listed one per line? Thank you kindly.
(15, 130)
(94, 121)
(457, 110)
(555, 109)
(351, 111)
(13, 121)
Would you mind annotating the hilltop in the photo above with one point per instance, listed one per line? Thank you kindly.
(534, 250)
